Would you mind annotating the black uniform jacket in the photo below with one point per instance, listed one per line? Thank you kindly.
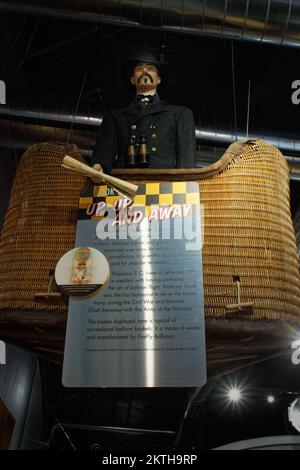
(169, 131)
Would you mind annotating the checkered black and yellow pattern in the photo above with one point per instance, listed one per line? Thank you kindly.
(149, 195)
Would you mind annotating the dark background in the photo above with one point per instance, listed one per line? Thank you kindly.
(47, 63)
(51, 56)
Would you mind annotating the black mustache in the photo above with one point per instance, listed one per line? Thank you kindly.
(145, 74)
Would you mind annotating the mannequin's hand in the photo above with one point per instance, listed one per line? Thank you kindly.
(98, 167)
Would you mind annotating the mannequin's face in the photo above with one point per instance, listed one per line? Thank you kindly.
(145, 78)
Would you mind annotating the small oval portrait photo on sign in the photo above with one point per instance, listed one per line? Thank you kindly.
(82, 272)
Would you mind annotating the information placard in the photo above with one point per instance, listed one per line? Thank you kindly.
(145, 327)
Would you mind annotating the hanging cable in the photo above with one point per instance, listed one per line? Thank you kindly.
(248, 109)
(77, 104)
(234, 92)
(13, 47)
(22, 60)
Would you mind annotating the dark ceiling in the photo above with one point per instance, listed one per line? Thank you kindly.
(50, 56)
(50, 61)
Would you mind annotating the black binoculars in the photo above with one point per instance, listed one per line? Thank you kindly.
(138, 155)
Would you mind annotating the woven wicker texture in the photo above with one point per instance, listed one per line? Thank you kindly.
(248, 232)
(39, 227)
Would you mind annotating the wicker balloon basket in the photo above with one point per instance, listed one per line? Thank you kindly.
(249, 240)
